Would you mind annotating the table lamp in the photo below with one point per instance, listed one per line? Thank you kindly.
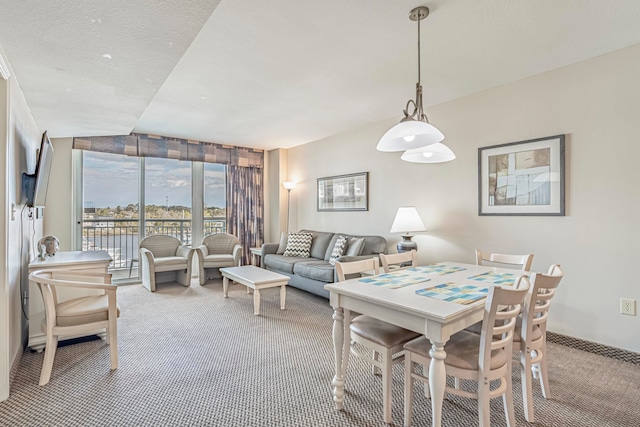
(407, 221)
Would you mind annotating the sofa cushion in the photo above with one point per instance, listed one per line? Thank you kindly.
(282, 246)
(315, 270)
(339, 248)
(281, 263)
(356, 245)
(320, 242)
(298, 245)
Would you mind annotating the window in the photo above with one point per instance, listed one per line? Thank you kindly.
(112, 185)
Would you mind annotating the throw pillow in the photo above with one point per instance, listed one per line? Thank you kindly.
(282, 246)
(298, 245)
(338, 249)
(356, 245)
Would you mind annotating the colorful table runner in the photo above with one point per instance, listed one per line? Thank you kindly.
(453, 292)
(497, 278)
(395, 280)
(441, 269)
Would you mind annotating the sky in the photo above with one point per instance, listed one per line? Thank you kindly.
(111, 180)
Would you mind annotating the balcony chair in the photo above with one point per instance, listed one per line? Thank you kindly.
(218, 250)
(164, 259)
(399, 260)
(520, 262)
(481, 358)
(381, 337)
(77, 316)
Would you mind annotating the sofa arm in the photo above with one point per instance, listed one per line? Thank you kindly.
(269, 248)
(202, 250)
(237, 254)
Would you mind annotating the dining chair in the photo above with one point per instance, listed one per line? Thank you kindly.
(383, 338)
(521, 262)
(480, 358)
(399, 260)
(531, 335)
(76, 316)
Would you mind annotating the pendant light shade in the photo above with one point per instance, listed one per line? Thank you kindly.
(409, 134)
(434, 153)
(414, 130)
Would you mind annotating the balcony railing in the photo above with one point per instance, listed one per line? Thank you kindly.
(119, 237)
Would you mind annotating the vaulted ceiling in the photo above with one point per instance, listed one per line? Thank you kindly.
(278, 73)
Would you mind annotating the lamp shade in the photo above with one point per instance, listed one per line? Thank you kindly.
(409, 134)
(289, 185)
(407, 220)
(434, 153)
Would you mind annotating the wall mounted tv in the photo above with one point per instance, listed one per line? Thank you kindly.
(35, 186)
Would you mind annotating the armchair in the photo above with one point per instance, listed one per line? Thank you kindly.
(164, 259)
(218, 250)
(76, 316)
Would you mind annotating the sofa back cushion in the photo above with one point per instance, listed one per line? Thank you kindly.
(319, 243)
(298, 245)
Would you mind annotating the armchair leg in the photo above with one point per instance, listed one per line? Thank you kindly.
(49, 355)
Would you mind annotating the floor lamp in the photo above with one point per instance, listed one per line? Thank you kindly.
(289, 186)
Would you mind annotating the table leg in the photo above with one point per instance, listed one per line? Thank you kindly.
(437, 380)
(256, 302)
(283, 296)
(225, 286)
(338, 344)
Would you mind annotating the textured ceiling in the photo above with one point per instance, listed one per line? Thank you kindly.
(279, 73)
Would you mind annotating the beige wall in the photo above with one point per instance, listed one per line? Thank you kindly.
(20, 139)
(597, 105)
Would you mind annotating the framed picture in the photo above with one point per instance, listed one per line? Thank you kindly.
(522, 178)
(344, 192)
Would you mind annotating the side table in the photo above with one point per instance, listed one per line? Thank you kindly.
(256, 253)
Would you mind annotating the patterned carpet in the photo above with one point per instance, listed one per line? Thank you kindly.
(189, 357)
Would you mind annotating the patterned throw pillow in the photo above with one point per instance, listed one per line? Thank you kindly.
(338, 249)
(298, 245)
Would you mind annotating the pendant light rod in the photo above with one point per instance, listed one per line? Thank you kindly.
(417, 14)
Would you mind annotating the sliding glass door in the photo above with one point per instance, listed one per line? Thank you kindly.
(124, 199)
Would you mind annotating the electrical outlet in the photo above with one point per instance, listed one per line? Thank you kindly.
(628, 306)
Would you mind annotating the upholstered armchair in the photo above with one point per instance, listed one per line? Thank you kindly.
(217, 250)
(164, 259)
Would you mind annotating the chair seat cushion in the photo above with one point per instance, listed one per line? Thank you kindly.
(170, 263)
(322, 271)
(89, 309)
(462, 351)
(380, 332)
(219, 260)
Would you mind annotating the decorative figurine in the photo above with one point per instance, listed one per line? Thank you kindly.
(48, 246)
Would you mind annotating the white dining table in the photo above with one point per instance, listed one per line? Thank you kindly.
(394, 300)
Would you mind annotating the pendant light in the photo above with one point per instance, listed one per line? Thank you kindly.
(434, 153)
(414, 130)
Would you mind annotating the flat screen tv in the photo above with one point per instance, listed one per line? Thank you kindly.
(35, 185)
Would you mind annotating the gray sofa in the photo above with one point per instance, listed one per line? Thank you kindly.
(311, 274)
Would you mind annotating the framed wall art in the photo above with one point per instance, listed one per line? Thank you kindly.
(344, 192)
(522, 178)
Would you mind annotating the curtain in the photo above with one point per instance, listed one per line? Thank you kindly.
(245, 207)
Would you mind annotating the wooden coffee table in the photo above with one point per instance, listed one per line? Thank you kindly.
(257, 279)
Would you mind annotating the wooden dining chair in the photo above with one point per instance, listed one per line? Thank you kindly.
(383, 338)
(480, 358)
(76, 316)
(521, 262)
(530, 337)
(399, 260)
